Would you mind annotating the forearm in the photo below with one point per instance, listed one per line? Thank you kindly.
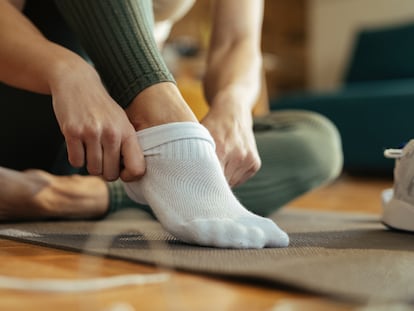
(234, 71)
(27, 59)
(234, 60)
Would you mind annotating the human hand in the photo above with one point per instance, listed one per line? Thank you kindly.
(231, 127)
(95, 128)
(37, 195)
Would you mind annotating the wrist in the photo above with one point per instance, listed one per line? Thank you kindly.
(232, 101)
(66, 66)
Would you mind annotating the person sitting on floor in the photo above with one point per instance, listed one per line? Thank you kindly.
(140, 141)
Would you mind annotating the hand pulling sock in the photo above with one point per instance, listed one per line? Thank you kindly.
(185, 187)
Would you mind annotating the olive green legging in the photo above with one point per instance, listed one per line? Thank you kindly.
(299, 150)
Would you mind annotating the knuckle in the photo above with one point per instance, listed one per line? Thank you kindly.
(111, 136)
(71, 130)
(256, 162)
(93, 170)
(255, 167)
(110, 177)
(91, 132)
(137, 172)
(239, 159)
(74, 131)
(132, 175)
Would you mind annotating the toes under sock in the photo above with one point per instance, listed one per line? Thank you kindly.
(185, 187)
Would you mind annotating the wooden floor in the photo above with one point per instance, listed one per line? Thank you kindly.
(183, 291)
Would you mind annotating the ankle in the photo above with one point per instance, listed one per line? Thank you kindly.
(159, 104)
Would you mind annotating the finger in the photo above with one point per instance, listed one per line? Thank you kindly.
(94, 157)
(111, 157)
(244, 170)
(241, 176)
(133, 160)
(76, 152)
(230, 168)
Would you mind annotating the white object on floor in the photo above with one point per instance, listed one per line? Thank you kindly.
(185, 186)
(386, 195)
(398, 203)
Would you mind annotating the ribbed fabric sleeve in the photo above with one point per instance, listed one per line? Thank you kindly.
(117, 35)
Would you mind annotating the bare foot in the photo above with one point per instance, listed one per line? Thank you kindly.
(35, 194)
(159, 104)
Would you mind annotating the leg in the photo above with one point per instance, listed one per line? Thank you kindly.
(300, 150)
(293, 161)
(183, 183)
(32, 140)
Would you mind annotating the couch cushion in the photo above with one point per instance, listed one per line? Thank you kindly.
(381, 54)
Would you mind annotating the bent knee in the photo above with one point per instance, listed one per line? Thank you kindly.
(322, 148)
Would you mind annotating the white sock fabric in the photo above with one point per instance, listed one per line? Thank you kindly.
(185, 187)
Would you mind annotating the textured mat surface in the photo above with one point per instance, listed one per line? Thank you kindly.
(351, 256)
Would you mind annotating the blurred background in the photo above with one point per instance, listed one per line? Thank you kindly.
(351, 60)
(306, 43)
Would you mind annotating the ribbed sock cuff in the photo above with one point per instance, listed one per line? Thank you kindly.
(161, 134)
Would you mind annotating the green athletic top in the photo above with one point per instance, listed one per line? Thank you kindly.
(126, 62)
(118, 37)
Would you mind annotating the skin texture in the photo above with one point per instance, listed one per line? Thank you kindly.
(232, 84)
(96, 129)
(99, 132)
(42, 195)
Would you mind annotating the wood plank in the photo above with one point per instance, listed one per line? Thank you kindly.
(348, 194)
(184, 291)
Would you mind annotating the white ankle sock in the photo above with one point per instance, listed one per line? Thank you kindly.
(185, 187)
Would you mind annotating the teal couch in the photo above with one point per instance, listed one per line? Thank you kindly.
(374, 109)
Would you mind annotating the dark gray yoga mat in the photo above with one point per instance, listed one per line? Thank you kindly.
(349, 256)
